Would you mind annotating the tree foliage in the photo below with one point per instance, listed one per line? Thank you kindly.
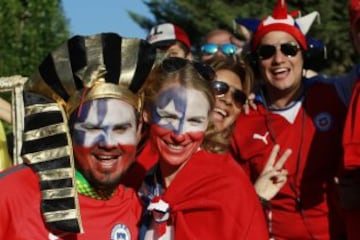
(28, 31)
(197, 17)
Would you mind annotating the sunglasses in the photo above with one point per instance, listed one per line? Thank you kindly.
(173, 64)
(222, 88)
(289, 49)
(211, 48)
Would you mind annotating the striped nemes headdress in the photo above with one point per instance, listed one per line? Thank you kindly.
(84, 68)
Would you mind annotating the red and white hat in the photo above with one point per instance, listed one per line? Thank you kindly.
(280, 20)
(354, 11)
(166, 34)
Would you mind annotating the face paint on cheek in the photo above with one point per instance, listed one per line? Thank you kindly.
(99, 161)
(175, 149)
(93, 112)
(169, 108)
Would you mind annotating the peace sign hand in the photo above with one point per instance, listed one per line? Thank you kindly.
(273, 176)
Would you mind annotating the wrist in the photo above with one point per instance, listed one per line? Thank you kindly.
(264, 202)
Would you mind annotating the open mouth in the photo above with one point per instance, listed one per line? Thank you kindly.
(106, 156)
(220, 111)
(280, 72)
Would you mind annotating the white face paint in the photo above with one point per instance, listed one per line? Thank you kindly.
(106, 124)
(179, 119)
(104, 140)
(182, 110)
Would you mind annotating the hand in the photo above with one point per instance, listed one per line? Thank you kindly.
(273, 176)
(249, 104)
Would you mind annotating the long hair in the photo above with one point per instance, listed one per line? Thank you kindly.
(246, 76)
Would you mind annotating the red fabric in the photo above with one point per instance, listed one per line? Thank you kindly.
(280, 20)
(351, 141)
(146, 159)
(212, 198)
(320, 155)
(351, 138)
(21, 217)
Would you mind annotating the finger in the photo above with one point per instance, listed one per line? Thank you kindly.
(246, 108)
(251, 101)
(278, 178)
(279, 165)
(271, 160)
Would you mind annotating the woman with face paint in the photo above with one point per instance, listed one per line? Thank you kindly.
(193, 192)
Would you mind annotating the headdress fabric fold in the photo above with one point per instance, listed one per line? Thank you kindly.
(280, 20)
(84, 68)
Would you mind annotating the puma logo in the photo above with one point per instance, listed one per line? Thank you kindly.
(261, 137)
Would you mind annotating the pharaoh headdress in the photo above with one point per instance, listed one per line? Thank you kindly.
(83, 68)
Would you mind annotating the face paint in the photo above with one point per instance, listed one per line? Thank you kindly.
(105, 140)
(179, 119)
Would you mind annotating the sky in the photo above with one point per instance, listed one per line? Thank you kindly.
(88, 17)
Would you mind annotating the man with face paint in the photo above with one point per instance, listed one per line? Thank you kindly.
(196, 190)
(81, 131)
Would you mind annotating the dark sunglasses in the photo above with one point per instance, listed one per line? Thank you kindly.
(222, 88)
(211, 48)
(173, 64)
(289, 49)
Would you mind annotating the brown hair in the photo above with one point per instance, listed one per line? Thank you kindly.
(188, 77)
(239, 67)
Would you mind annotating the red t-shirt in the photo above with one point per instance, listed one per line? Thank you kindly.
(314, 135)
(21, 217)
(352, 131)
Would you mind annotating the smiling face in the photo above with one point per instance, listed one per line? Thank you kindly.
(179, 119)
(105, 137)
(282, 74)
(225, 111)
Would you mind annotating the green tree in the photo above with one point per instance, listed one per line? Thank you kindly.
(28, 31)
(197, 17)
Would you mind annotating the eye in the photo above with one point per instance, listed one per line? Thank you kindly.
(196, 121)
(169, 116)
(122, 128)
(91, 127)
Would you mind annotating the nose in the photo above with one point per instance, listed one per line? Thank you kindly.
(177, 138)
(220, 54)
(278, 56)
(106, 140)
(226, 98)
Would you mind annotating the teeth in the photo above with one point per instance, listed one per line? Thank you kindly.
(105, 157)
(280, 70)
(220, 111)
(176, 147)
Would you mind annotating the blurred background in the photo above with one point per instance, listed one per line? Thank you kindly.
(32, 28)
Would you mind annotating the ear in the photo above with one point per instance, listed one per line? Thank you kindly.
(189, 56)
(146, 117)
(139, 131)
